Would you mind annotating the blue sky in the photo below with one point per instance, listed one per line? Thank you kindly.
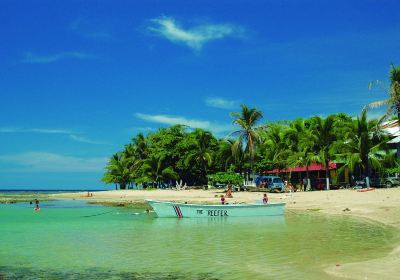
(78, 79)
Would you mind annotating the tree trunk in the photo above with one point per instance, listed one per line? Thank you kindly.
(327, 176)
(366, 174)
(398, 124)
(308, 186)
(205, 173)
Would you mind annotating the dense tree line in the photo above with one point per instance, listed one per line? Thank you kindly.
(179, 153)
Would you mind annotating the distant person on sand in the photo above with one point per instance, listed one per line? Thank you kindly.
(229, 192)
(222, 199)
(265, 199)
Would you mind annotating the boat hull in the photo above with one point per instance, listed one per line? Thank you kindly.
(179, 210)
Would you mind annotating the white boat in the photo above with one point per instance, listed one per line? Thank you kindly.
(166, 209)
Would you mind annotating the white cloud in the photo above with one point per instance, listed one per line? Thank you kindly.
(221, 103)
(50, 162)
(83, 139)
(33, 130)
(48, 131)
(141, 129)
(194, 37)
(73, 136)
(173, 120)
(50, 58)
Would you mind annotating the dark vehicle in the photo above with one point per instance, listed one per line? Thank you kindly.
(385, 182)
(379, 182)
(273, 183)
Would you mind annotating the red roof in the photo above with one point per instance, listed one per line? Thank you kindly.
(311, 167)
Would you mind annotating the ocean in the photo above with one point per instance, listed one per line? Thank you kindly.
(75, 240)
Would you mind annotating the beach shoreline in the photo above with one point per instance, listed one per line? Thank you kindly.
(380, 206)
(374, 205)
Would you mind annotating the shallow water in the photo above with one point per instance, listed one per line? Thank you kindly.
(73, 240)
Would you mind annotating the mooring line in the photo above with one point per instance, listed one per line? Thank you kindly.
(294, 212)
(98, 214)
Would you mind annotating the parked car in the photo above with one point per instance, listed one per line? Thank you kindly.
(273, 183)
(379, 182)
(387, 182)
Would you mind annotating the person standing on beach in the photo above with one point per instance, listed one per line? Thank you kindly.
(265, 199)
(222, 199)
(229, 192)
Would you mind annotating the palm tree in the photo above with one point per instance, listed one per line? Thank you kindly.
(393, 102)
(248, 133)
(141, 146)
(274, 146)
(118, 171)
(201, 152)
(301, 142)
(133, 162)
(322, 129)
(230, 155)
(363, 147)
(156, 169)
(293, 134)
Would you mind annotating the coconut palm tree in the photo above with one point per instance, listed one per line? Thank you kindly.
(201, 151)
(118, 171)
(364, 147)
(230, 155)
(156, 169)
(133, 162)
(274, 145)
(249, 131)
(294, 134)
(141, 146)
(323, 131)
(301, 142)
(393, 102)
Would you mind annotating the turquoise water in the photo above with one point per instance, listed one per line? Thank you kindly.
(73, 240)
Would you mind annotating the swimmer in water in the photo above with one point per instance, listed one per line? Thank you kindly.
(37, 207)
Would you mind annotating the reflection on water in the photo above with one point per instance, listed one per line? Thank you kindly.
(95, 274)
(67, 242)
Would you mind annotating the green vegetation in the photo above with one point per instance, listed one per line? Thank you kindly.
(226, 178)
(177, 153)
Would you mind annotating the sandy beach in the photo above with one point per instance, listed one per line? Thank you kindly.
(380, 205)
